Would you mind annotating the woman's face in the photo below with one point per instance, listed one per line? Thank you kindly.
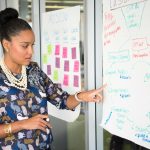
(20, 48)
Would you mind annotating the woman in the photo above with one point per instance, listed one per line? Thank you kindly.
(25, 89)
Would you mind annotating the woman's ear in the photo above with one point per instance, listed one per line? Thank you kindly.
(6, 44)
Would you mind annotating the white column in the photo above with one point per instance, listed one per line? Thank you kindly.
(89, 48)
(38, 6)
(99, 66)
(2, 4)
(13, 4)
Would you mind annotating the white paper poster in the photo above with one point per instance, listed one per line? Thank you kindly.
(126, 64)
(61, 54)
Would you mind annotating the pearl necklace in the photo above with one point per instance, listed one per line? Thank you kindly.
(20, 83)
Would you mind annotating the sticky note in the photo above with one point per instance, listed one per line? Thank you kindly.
(66, 65)
(65, 52)
(76, 66)
(45, 59)
(57, 62)
(66, 80)
(57, 49)
(73, 52)
(76, 81)
(55, 75)
(49, 49)
(48, 69)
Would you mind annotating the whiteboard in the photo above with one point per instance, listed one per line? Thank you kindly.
(61, 54)
(126, 69)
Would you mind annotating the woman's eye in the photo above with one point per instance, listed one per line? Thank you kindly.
(24, 46)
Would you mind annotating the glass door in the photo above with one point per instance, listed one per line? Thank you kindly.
(69, 136)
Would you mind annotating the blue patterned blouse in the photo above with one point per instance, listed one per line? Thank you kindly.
(16, 104)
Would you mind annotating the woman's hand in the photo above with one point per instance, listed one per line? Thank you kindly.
(91, 95)
(36, 122)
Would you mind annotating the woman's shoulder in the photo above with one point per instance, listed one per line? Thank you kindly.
(33, 65)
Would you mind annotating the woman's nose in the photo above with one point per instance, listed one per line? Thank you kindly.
(30, 50)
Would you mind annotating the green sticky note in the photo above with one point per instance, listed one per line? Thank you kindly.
(49, 49)
(55, 77)
(45, 59)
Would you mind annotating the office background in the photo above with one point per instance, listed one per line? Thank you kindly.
(85, 133)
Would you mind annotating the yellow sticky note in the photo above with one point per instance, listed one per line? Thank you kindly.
(55, 76)
(45, 59)
(49, 49)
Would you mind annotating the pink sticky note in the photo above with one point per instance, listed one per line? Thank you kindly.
(48, 69)
(57, 49)
(66, 80)
(76, 66)
(66, 65)
(76, 81)
(65, 52)
(57, 62)
(73, 53)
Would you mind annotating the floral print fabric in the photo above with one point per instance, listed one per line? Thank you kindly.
(16, 105)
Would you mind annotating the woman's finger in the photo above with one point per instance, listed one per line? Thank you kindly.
(101, 88)
(42, 116)
(46, 123)
(97, 97)
(42, 128)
